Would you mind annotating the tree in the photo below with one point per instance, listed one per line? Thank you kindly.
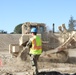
(3, 32)
(72, 24)
(18, 29)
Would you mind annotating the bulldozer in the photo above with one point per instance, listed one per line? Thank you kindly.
(55, 46)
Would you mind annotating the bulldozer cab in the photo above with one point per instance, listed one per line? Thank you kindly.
(41, 28)
(26, 27)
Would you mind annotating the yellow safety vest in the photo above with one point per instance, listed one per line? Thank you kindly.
(36, 48)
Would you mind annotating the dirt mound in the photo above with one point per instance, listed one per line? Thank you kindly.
(6, 39)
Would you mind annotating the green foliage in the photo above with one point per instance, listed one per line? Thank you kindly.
(72, 24)
(18, 29)
(3, 32)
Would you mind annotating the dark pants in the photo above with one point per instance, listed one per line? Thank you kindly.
(34, 59)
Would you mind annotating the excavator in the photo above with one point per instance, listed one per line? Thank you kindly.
(55, 45)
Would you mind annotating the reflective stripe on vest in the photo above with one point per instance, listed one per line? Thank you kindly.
(36, 45)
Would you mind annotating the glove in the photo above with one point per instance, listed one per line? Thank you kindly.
(26, 47)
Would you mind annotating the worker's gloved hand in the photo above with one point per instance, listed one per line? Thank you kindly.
(26, 47)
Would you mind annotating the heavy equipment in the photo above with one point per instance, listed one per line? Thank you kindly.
(55, 45)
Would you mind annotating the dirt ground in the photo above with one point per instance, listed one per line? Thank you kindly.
(15, 66)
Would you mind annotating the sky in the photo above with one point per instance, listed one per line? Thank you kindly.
(14, 12)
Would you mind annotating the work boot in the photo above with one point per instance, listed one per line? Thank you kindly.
(35, 71)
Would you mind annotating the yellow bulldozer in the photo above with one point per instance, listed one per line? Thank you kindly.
(56, 46)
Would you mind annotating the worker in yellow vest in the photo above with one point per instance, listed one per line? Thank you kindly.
(35, 44)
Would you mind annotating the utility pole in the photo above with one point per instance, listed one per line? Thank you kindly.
(53, 28)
